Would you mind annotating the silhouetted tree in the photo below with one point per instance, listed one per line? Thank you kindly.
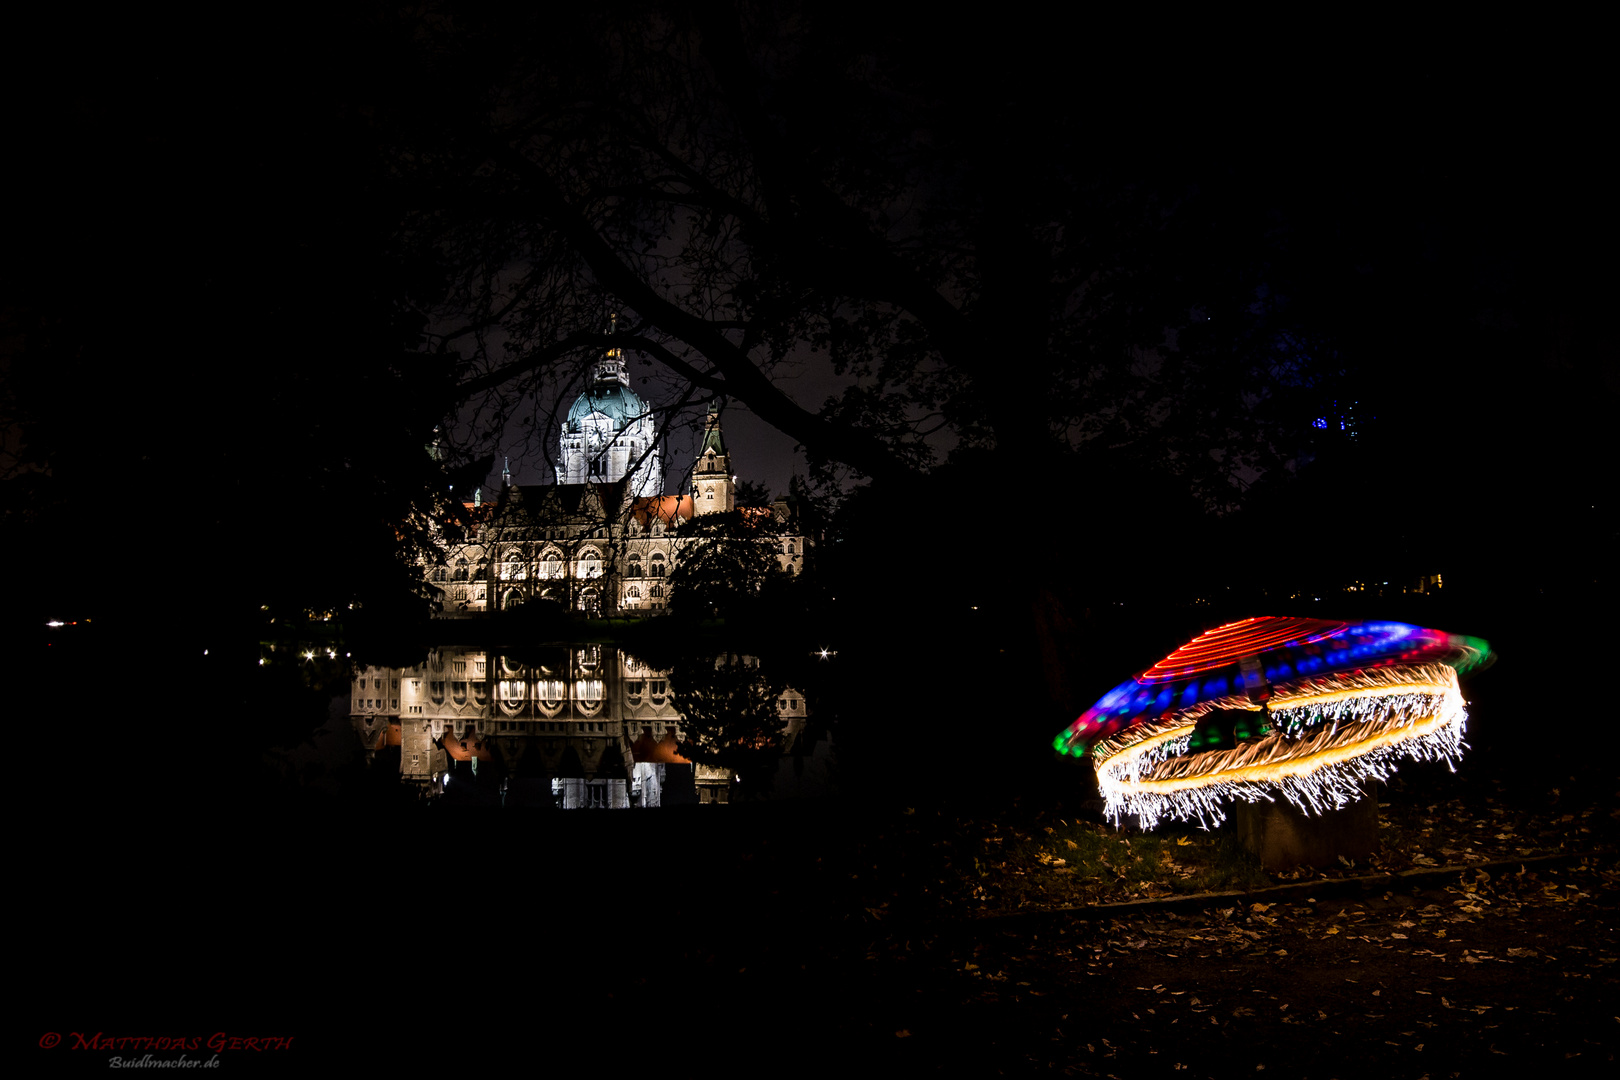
(728, 704)
(751, 493)
(753, 187)
(234, 400)
(722, 562)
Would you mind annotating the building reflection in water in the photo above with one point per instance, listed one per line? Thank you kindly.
(572, 726)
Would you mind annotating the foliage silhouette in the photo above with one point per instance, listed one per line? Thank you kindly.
(722, 562)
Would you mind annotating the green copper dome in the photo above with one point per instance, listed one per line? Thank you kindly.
(613, 400)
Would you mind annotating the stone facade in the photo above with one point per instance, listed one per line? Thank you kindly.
(601, 546)
(597, 723)
(603, 540)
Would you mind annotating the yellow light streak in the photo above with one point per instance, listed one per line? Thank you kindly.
(1276, 771)
(1367, 720)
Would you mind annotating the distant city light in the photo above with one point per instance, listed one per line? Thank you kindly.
(56, 622)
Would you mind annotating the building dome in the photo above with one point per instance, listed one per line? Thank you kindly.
(614, 400)
(610, 434)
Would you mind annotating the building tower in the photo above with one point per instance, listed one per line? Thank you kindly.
(609, 434)
(713, 488)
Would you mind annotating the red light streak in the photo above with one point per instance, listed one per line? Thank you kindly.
(1246, 637)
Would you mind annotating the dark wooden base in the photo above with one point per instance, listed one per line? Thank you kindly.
(1284, 837)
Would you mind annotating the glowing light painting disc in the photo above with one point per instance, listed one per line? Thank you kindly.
(1306, 708)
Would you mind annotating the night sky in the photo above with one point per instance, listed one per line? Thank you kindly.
(231, 236)
(204, 232)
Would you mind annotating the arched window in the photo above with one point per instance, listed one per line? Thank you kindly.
(551, 564)
(633, 567)
(657, 564)
(657, 592)
(590, 563)
(632, 593)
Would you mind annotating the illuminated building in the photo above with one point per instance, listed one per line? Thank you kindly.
(602, 540)
(595, 724)
(610, 434)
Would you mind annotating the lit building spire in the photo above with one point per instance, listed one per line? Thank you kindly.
(713, 488)
(611, 367)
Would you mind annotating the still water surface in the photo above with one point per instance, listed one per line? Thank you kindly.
(587, 726)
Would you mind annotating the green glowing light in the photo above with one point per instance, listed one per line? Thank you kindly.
(1480, 656)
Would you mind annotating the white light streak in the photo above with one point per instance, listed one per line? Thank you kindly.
(1332, 737)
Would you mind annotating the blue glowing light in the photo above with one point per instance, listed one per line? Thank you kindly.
(1208, 667)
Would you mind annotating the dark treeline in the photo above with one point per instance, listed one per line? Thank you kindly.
(1110, 327)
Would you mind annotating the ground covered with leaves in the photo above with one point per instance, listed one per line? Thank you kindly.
(1044, 855)
(1481, 935)
(1459, 980)
(1012, 937)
